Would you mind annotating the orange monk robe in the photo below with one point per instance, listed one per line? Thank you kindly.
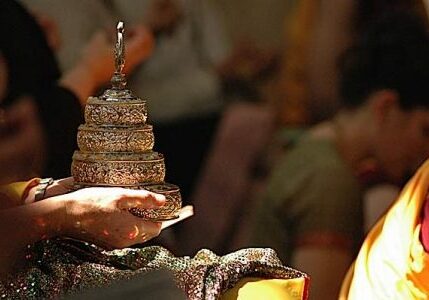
(392, 263)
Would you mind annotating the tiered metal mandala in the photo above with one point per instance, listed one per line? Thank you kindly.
(115, 145)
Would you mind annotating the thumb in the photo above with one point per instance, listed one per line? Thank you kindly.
(140, 199)
(140, 46)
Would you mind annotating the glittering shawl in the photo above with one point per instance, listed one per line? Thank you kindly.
(58, 267)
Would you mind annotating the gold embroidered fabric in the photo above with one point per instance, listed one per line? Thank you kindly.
(59, 267)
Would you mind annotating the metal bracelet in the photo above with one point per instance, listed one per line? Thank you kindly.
(41, 188)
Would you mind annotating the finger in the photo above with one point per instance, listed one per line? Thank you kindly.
(140, 232)
(141, 42)
(140, 198)
(158, 197)
(144, 194)
(139, 47)
(149, 230)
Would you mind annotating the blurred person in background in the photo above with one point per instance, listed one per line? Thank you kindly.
(312, 208)
(316, 33)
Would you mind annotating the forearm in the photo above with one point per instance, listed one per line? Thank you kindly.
(326, 266)
(27, 224)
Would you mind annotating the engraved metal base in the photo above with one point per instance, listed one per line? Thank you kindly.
(115, 113)
(118, 169)
(115, 139)
(171, 208)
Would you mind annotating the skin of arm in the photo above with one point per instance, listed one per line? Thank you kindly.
(98, 215)
(24, 225)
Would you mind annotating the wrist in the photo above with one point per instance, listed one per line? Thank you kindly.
(57, 189)
(67, 219)
(50, 218)
(40, 189)
(71, 225)
(30, 190)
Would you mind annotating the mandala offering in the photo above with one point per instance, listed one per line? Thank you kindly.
(116, 145)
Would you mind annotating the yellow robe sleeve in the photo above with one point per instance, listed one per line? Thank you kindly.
(392, 263)
(14, 192)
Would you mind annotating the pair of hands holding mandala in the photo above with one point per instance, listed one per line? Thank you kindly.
(100, 214)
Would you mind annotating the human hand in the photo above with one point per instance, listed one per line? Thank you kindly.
(139, 45)
(97, 55)
(100, 215)
(22, 145)
(96, 65)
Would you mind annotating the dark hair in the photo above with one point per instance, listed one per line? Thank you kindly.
(31, 63)
(393, 53)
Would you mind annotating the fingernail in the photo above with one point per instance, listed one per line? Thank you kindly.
(161, 199)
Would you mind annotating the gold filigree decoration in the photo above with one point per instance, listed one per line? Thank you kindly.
(120, 114)
(98, 139)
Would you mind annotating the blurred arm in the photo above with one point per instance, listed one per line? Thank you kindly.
(326, 266)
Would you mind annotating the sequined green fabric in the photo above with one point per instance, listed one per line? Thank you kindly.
(59, 267)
